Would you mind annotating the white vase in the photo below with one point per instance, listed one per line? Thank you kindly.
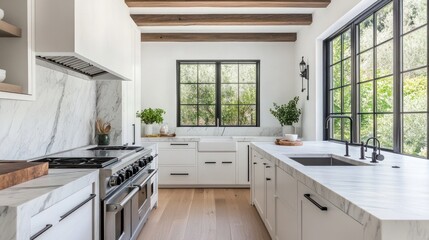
(148, 129)
(288, 129)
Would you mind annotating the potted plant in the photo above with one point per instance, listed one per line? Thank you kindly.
(150, 116)
(287, 114)
(103, 131)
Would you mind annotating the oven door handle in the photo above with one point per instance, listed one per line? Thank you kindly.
(114, 207)
(152, 173)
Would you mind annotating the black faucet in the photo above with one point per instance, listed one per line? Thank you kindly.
(375, 156)
(362, 154)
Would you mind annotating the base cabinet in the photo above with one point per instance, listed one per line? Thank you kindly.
(270, 199)
(259, 186)
(212, 165)
(330, 223)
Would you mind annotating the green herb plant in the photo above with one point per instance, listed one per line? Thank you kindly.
(151, 116)
(287, 114)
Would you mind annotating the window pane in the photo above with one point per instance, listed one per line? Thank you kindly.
(346, 126)
(188, 93)
(414, 139)
(207, 94)
(336, 129)
(366, 33)
(415, 49)
(336, 75)
(366, 97)
(385, 130)
(347, 99)
(415, 91)
(336, 50)
(206, 115)
(188, 115)
(206, 73)
(247, 115)
(414, 14)
(347, 42)
(385, 59)
(366, 70)
(347, 71)
(229, 94)
(337, 100)
(385, 95)
(248, 94)
(247, 73)
(229, 115)
(366, 126)
(229, 73)
(385, 23)
(188, 73)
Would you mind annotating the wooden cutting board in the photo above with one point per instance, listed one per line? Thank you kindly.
(283, 142)
(13, 173)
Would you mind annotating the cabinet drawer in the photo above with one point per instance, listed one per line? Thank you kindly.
(216, 168)
(76, 209)
(177, 175)
(177, 145)
(287, 188)
(177, 157)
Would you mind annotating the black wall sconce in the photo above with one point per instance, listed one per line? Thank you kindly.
(305, 72)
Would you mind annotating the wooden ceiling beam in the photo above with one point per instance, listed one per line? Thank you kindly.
(218, 37)
(221, 19)
(230, 3)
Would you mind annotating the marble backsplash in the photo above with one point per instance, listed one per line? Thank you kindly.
(109, 107)
(61, 118)
(226, 131)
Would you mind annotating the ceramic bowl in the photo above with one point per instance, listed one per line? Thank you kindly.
(2, 75)
(1, 14)
(291, 137)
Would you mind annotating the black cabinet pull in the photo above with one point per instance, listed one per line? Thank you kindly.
(134, 134)
(267, 166)
(248, 163)
(62, 217)
(179, 174)
(36, 235)
(322, 208)
(210, 162)
(227, 162)
(254, 163)
(179, 144)
(268, 179)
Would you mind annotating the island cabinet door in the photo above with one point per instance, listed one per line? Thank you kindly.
(259, 184)
(322, 220)
(270, 198)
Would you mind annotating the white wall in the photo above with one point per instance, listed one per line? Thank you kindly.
(278, 78)
(310, 45)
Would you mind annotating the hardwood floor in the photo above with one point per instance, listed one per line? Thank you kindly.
(204, 214)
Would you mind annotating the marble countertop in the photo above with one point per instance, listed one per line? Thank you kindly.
(198, 138)
(362, 192)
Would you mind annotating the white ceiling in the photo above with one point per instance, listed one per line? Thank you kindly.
(223, 29)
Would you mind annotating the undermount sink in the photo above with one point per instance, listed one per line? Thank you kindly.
(326, 161)
(217, 144)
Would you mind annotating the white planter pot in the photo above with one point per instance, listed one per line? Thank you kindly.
(148, 129)
(288, 129)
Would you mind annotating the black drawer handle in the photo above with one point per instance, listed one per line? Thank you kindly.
(62, 217)
(210, 162)
(179, 144)
(308, 196)
(179, 174)
(227, 162)
(36, 235)
(267, 166)
(254, 163)
(268, 179)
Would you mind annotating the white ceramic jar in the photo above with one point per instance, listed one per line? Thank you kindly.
(2, 75)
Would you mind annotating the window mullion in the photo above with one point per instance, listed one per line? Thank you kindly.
(218, 94)
(354, 87)
(397, 129)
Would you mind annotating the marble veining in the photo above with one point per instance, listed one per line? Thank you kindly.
(373, 195)
(198, 138)
(109, 107)
(61, 117)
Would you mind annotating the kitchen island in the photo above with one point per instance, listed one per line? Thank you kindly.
(388, 200)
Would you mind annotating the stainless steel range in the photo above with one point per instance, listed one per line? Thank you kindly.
(128, 185)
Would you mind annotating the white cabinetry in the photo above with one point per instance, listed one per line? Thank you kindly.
(75, 217)
(287, 206)
(258, 183)
(243, 163)
(216, 168)
(331, 223)
(270, 198)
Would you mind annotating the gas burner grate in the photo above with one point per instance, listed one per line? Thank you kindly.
(59, 162)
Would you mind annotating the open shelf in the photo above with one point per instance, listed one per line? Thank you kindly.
(9, 30)
(11, 88)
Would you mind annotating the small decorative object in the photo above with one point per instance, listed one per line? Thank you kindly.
(305, 74)
(291, 137)
(1, 14)
(287, 114)
(164, 129)
(150, 116)
(2, 75)
(103, 131)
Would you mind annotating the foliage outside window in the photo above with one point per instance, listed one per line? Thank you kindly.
(388, 76)
(224, 91)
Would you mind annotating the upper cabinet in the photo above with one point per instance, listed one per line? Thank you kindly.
(91, 37)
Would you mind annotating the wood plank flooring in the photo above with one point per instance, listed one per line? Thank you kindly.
(204, 214)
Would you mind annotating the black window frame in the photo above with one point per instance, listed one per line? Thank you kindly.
(397, 74)
(218, 85)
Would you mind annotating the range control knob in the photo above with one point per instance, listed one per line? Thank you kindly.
(115, 181)
(150, 158)
(142, 163)
(121, 176)
(135, 169)
(128, 173)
